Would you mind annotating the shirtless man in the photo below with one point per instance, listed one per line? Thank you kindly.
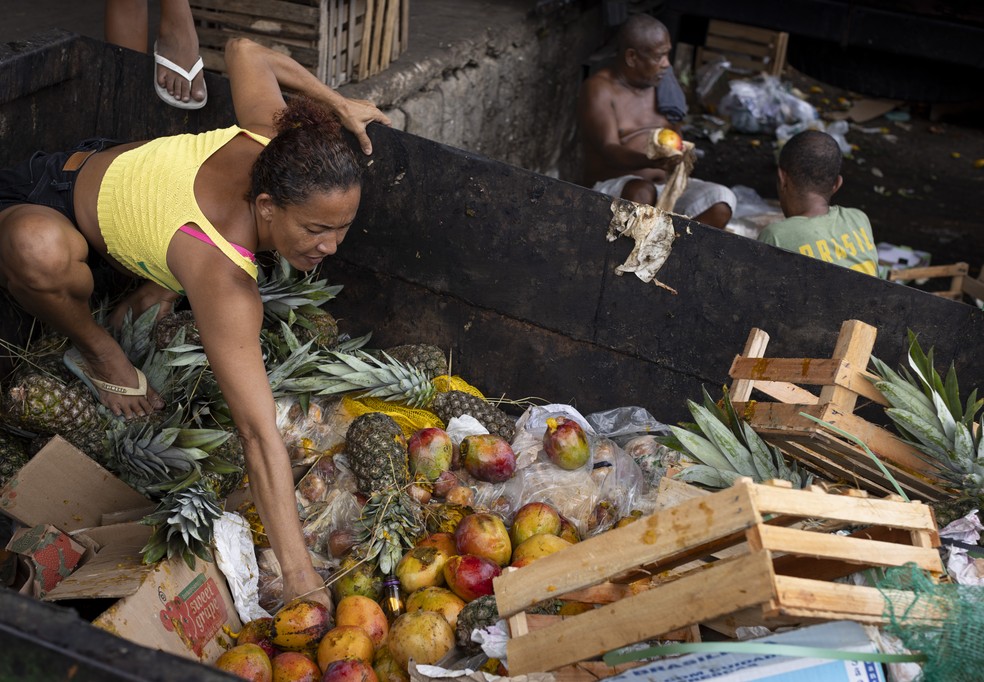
(618, 108)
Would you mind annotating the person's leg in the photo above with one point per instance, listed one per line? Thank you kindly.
(640, 191)
(125, 24)
(708, 202)
(43, 267)
(178, 42)
(717, 215)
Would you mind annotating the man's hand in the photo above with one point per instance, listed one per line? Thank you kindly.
(356, 114)
(667, 163)
(307, 585)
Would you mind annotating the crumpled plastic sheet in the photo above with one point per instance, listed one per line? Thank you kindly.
(652, 230)
(433, 673)
(236, 558)
(493, 640)
(964, 569)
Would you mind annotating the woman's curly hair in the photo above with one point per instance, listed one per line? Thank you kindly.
(309, 154)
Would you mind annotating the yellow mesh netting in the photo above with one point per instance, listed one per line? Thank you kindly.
(410, 419)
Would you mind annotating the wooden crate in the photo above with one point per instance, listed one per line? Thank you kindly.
(961, 283)
(844, 380)
(746, 47)
(337, 40)
(775, 575)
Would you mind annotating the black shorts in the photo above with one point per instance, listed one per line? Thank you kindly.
(43, 181)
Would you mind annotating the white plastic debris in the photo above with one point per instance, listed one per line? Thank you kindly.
(235, 557)
(963, 568)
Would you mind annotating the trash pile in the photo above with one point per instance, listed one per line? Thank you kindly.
(459, 539)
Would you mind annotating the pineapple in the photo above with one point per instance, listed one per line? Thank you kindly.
(290, 297)
(183, 526)
(157, 457)
(927, 411)
(727, 448)
(386, 378)
(377, 453)
(456, 403)
(45, 404)
(389, 526)
(430, 360)
(170, 326)
(482, 613)
(13, 455)
(323, 330)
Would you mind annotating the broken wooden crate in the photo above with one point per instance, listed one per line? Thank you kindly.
(777, 576)
(336, 40)
(843, 380)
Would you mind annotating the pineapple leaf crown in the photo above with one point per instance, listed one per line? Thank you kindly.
(727, 448)
(285, 292)
(927, 411)
(183, 524)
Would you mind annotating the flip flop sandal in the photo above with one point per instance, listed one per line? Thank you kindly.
(187, 75)
(76, 365)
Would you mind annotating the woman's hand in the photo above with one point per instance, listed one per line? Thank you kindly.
(306, 584)
(355, 115)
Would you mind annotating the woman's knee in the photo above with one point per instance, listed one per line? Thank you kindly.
(37, 248)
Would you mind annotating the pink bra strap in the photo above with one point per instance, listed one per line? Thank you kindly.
(201, 236)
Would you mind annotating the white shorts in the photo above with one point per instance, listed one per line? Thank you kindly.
(699, 196)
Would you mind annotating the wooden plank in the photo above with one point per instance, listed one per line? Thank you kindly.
(689, 600)
(744, 47)
(786, 392)
(668, 533)
(835, 601)
(810, 371)
(779, 61)
(733, 30)
(404, 25)
(769, 500)
(854, 344)
(830, 469)
(263, 9)
(929, 272)
(389, 32)
(758, 341)
(973, 287)
(863, 552)
(883, 443)
(364, 54)
(376, 44)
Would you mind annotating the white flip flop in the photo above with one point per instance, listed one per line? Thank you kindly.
(187, 75)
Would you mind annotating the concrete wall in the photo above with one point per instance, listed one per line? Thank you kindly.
(508, 93)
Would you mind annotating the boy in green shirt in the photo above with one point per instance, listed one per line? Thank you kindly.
(809, 174)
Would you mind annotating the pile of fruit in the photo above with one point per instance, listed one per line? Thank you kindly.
(416, 571)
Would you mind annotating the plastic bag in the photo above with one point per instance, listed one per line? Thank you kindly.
(340, 511)
(621, 423)
(324, 476)
(836, 129)
(762, 104)
(592, 497)
(310, 434)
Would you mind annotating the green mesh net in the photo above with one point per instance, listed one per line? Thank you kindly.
(944, 622)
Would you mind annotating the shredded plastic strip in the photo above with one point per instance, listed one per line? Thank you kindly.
(616, 657)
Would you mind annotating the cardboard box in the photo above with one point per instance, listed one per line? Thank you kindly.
(166, 606)
(727, 667)
(52, 555)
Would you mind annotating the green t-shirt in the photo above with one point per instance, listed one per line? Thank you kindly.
(843, 237)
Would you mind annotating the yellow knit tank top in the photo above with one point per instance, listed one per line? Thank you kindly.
(148, 193)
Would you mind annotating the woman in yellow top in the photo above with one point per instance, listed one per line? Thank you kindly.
(186, 213)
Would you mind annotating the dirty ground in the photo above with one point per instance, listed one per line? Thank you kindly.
(915, 179)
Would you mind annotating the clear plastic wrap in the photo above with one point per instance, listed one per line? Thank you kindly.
(325, 477)
(321, 429)
(592, 497)
(339, 511)
(763, 103)
(621, 423)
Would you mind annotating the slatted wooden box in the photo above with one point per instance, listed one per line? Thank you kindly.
(337, 40)
(843, 381)
(774, 574)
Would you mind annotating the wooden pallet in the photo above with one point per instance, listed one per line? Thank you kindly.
(745, 47)
(337, 40)
(844, 380)
(779, 576)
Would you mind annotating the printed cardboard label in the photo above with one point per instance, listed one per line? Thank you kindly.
(53, 553)
(196, 614)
